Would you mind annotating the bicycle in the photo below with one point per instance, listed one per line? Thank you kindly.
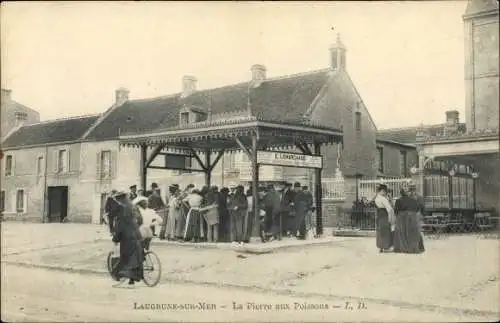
(151, 264)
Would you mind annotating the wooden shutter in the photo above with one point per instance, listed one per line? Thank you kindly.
(55, 161)
(25, 201)
(68, 160)
(13, 165)
(98, 166)
(113, 164)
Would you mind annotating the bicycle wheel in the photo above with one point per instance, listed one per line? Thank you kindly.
(112, 262)
(151, 269)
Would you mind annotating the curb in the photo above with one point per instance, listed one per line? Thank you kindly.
(269, 248)
(279, 291)
(354, 233)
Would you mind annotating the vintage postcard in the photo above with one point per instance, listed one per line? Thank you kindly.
(265, 161)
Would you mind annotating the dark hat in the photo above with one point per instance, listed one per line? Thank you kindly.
(382, 187)
(288, 184)
(133, 186)
(190, 186)
(305, 188)
(297, 184)
(175, 185)
(154, 185)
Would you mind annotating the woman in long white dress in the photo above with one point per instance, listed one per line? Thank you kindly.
(173, 213)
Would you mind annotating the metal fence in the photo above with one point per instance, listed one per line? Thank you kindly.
(333, 189)
(368, 188)
(435, 226)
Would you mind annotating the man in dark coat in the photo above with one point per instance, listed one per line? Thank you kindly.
(287, 214)
(301, 205)
(127, 234)
(272, 205)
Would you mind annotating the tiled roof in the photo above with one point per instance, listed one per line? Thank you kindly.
(54, 131)
(284, 99)
(408, 135)
(138, 116)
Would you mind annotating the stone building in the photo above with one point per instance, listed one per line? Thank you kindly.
(40, 172)
(14, 114)
(481, 64)
(97, 163)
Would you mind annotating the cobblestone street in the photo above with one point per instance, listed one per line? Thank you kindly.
(456, 275)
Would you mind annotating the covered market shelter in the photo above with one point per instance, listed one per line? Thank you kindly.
(265, 142)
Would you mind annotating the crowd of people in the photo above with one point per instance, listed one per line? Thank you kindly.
(210, 214)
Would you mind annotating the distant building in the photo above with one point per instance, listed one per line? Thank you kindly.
(41, 170)
(14, 114)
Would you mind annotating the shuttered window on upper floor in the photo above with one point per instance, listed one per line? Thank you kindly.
(61, 161)
(9, 165)
(106, 164)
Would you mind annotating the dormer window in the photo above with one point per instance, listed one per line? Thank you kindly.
(184, 118)
(191, 114)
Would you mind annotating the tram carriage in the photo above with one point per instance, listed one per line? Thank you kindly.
(449, 193)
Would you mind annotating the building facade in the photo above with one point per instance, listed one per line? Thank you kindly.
(481, 64)
(40, 172)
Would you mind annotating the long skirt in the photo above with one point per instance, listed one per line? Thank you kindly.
(170, 228)
(192, 229)
(180, 222)
(131, 257)
(407, 236)
(224, 225)
(383, 227)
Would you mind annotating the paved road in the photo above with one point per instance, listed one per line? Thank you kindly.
(39, 295)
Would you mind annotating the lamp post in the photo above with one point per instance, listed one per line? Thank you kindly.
(475, 176)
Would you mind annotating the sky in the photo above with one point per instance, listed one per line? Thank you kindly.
(66, 59)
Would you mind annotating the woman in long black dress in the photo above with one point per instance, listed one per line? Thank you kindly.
(127, 234)
(384, 222)
(407, 236)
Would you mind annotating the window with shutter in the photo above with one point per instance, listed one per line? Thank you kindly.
(105, 164)
(20, 201)
(358, 121)
(62, 161)
(98, 173)
(39, 166)
(2, 201)
(8, 165)
(380, 159)
(114, 164)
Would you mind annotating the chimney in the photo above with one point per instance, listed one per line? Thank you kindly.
(121, 96)
(452, 117)
(21, 118)
(452, 120)
(188, 85)
(258, 74)
(337, 55)
(6, 95)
